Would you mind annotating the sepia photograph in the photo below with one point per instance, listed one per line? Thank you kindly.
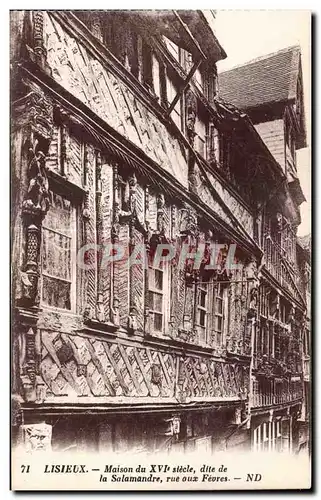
(160, 249)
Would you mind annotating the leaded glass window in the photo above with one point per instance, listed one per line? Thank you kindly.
(59, 254)
(156, 297)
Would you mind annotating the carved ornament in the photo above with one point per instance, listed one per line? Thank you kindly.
(191, 113)
(34, 110)
(36, 437)
(38, 198)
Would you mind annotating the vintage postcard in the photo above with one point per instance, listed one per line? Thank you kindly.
(161, 249)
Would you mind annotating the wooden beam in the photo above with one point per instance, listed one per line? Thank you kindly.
(109, 137)
(189, 33)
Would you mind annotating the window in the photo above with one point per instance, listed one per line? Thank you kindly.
(202, 305)
(306, 343)
(132, 53)
(271, 339)
(283, 314)
(220, 294)
(290, 144)
(224, 154)
(173, 48)
(147, 66)
(210, 90)
(156, 76)
(214, 144)
(156, 297)
(200, 136)
(277, 344)
(286, 435)
(172, 90)
(266, 437)
(278, 436)
(199, 78)
(264, 294)
(59, 254)
(265, 337)
(123, 193)
(186, 60)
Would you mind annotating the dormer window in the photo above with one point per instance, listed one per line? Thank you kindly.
(147, 66)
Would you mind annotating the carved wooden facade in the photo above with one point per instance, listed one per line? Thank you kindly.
(277, 376)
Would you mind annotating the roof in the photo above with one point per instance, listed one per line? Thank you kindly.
(265, 80)
(230, 114)
(305, 241)
(189, 29)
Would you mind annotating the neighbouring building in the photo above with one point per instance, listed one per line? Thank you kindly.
(270, 90)
(120, 137)
(304, 260)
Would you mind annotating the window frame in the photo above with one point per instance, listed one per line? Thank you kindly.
(223, 314)
(266, 436)
(209, 331)
(163, 268)
(147, 66)
(202, 287)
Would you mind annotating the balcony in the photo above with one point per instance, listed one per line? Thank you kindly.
(274, 367)
(279, 393)
(281, 268)
(261, 399)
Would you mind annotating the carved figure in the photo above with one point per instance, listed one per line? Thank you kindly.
(38, 196)
(115, 312)
(132, 319)
(37, 437)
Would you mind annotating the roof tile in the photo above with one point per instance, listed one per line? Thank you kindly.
(265, 80)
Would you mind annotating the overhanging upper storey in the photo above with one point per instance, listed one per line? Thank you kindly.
(190, 30)
(270, 90)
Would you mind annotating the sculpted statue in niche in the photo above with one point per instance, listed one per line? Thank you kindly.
(160, 201)
(124, 201)
(279, 221)
(291, 316)
(275, 306)
(115, 312)
(191, 111)
(100, 313)
(156, 377)
(88, 313)
(41, 390)
(132, 319)
(253, 299)
(187, 222)
(251, 269)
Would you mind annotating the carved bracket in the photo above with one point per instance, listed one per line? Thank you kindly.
(34, 110)
(34, 209)
(34, 114)
(191, 112)
(33, 387)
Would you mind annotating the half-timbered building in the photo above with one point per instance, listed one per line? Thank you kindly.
(270, 90)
